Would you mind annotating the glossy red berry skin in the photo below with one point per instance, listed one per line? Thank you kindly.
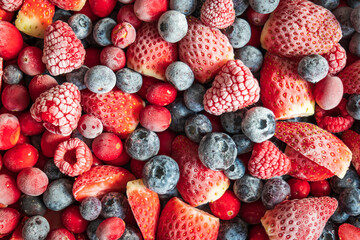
(122, 160)
(155, 118)
(107, 146)
(11, 41)
(29, 61)
(15, 97)
(102, 8)
(60, 234)
(29, 126)
(147, 83)
(49, 142)
(298, 188)
(111, 228)
(136, 167)
(227, 207)
(252, 212)
(72, 219)
(92, 57)
(9, 131)
(257, 232)
(320, 188)
(40, 84)
(166, 138)
(127, 14)
(21, 156)
(161, 94)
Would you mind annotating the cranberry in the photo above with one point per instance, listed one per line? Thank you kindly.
(320, 188)
(227, 207)
(298, 188)
(21, 156)
(72, 219)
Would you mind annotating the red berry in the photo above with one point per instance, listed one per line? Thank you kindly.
(328, 92)
(127, 14)
(227, 207)
(161, 94)
(107, 146)
(110, 229)
(88, 12)
(15, 97)
(49, 142)
(215, 122)
(102, 8)
(23, 139)
(257, 232)
(155, 118)
(9, 192)
(122, 160)
(298, 188)
(166, 138)
(30, 61)
(320, 188)
(72, 219)
(73, 157)
(255, 18)
(90, 126)
(1, 161)
(92, 57)
(9, 219)
(252, 212)
(136, 167)
(9, 131)
(29, 126)
(21, 156)
(96, 161)
(123, 35)
(11, 41)
(147, 83)
(5, 15)
(113, 57)
(255, 36)
(150, 10)
(60, 234)
(32, 181)
(40, 84)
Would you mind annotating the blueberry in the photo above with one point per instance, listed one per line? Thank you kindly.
(248, 188)
(91, 229)
(354, 44)
(180, 75)
(234, 229)
(251, 57)
(350, 180)
(353, 3)
(349, 201)
(100, 79)
(239, 33)
(339, 216)
(32, 205)
(58, 195)
(52, 171)
(197, 126)
(258, 124)
(342, 14)
(264, 6)
(172, 26)
(330, 232)
(114, 204)
(62, 15)
(274, 192)
(353, 106)
(179, 113)
(35, 228)
(102, 31)
(328, 4)
(128, 80)
(77, 77)
(186, 7)
(193, 97)
(131, 233)
(243, 143)
(90, 208)
(231, 121)
(81, 25)
(313, 68)
(164, 198)
(12, 74)
(197, 11)
(355, 220)
(142, 144)
(217, 151)
(240, 6)
(236, 170)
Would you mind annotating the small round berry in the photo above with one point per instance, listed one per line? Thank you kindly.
(240, 6)
(30, 61)
(264, 6)
(197, 126)
(61, 14)
(239, 33)
(32, 205)
(92, 57)
(77, 77)
(128, 80)
(90, 208)
(180, 75)
(186, 7)
(236, 170)
(166, 137)
(11, 41)
(328, 92)
(12, 74)
(274, 192)
(15, 97)
(155, 118)
(52, 171)
(114, 204)
(142, 144)
(90, 126)
(251, 57)
(113, 57)
(227, 207)
(131, 233)
(9, 192)
(36, 227)
(110, 228)
(123, 35)
(20, 157)
(172, 26)
(58, 195)
(9, 219)
(91, 229)
(60, 234)
(255, 18)
(328, 4)
(339, 216)
(350, 180)
(147, 83)
(243, 143)
(100, 79)
(298, 188)
(257, 232)
(161, 94)
(107, 146)
(72, 219)
(40, 84)
(235, 227)
(30, 126)
(161, 174)
(353, 106)
(32, 181)
(231, 121)
(343, 14)
(349, 201)
(248, 188)
(252, 212)
(50, 141)
(127, 14)
(120, 161)
(320, 188)
(313, 68)
(9, 131)
(179, 114)
(193, 97)
(81, 25)
(102, 31)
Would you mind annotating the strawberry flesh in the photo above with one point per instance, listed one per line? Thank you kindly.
(352, 141)
(349, 232)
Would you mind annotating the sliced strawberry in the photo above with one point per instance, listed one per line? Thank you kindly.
(299, 28)
(180, 221)
(299, 218)
(197, 184)
(349, 232)
(350, 77)
(69, 4)
(315, 143)
(145, 205)
(352, 141)
(283, 91)
(100, 180)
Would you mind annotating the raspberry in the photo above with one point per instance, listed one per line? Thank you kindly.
(218, 13)
(59, 108)
(73, 157)
(11, 5)
(336, 58)
(268, 161)
(334, 120)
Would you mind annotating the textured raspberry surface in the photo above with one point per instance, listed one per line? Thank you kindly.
(350, 77)
(268, 161)
(217, 13)
(63, 51)
(233, 88)
(59, 108)
(11, 5)
(336, 58)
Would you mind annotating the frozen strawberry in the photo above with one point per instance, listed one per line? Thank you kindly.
(11, 5)
(233, 88)
(268, 161)
(34, 17)
(150, 10)
(100, 180)
(69, 4)
(197, 184)
(118, 111)
(298, 28)
(11, 41)
(349, 232)
(317, 144)
(150, 54)
(299, 218)
(283, 91)
(352, 141)
(180, 221)
(204, 49)
(145, 205)
(336, 58)
(58, 108)
(218, 13)
(350, 78)
(63, 51)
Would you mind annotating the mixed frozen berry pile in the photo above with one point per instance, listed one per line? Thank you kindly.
(180, 119)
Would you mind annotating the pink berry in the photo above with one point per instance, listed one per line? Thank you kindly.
(29, 126)
(113, 57)
(123, 35)
(15, 97)
(90, 126)
(255, 18)
(29, 61)
(40, 84)
(161, 94)
(9, 219)
(60, 234)
(110, 229)
(150, 10)
(73, 221)
(9, 131)
(127, 14)
(11, 40)
(155, 118)
(9, 192)
(107, 146)
(32, 181)
(328, 92)
(126, 1)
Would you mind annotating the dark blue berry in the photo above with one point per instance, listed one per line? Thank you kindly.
(186, 7)
(239, 33)
(231, 121)
(77, 77)
(172, 26)
(193, 97)
(342, 14)
(350, 180)
(32, 205)
(355, 220)
(339, 216)
(81, 25)
(142, 144)
(180, 75)
(52, 171)
(349, 201)
(258, 124)
(234, 229)
(12, 74)
(330, 232)
(236, 170)
(179, 113)
(353, 3)
(248, 188)
(58, 195)
(197, 11)
(240, 6)
(102, 31)
(313, 68)
(100, 79)
(114, 204)
(90, 208)
(328, 4)
(91, 229)
(354, 44)
(76, 134)
(197, 126)
(35, 141)
(131, 233)
(274, 192)
(217, 151)
(264, 6)
(243, 143)
(251, 57)
(164, 198)
(35, 228)
(62, 15)
(353, 106)
(128, 80)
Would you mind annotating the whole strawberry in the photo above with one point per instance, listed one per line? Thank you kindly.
(63, 51)
(218, 13)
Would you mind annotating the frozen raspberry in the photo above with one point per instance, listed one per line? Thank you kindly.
(59, 108)
(73, 157)
(336, 58)
(218, 13)
(10, 5)
(63, 51)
